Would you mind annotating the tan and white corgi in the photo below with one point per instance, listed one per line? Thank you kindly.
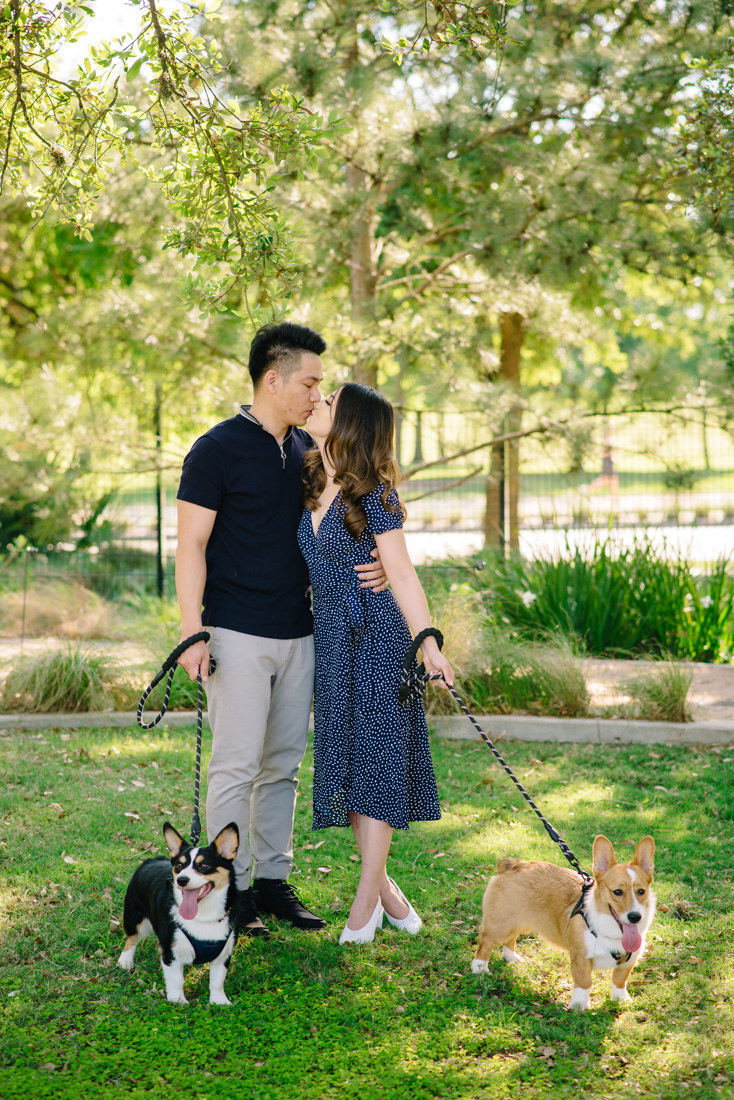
(602, 929)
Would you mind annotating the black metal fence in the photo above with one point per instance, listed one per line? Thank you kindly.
(666, 478)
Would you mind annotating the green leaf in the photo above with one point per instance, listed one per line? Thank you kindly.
(135, 68)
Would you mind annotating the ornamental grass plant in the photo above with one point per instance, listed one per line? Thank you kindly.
(73, 679)
(498, 672)
(78, 678)
(661, 695)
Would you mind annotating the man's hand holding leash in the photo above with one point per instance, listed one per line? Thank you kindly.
(195, 660)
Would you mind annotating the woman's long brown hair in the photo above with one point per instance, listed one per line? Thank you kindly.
(360, 448)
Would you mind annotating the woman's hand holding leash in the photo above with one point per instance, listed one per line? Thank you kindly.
(436, 665)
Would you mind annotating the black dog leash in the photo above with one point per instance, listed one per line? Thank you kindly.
(412, 686)
(170, 665)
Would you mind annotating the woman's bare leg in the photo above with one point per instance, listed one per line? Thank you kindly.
(373, 841)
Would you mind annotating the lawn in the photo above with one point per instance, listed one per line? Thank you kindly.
(401, 1018)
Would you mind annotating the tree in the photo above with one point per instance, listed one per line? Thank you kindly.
(707, 136)
(467, 221)
(170, 118)
(498, 183)
(555, 163)
(102, 367)
(153, 102)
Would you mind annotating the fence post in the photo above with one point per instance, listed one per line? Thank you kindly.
(26, 569)
(158, 429)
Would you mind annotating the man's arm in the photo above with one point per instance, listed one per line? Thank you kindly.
(194, 529)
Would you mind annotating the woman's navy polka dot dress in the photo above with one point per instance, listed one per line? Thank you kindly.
(370, 755)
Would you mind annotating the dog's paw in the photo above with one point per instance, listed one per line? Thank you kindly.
(619, 993)
(580, 1000)
(219, 999)
(176, 999)
(127, 960)
(479, 966)
(511, 957)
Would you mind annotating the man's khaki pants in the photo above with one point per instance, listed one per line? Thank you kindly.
(259, 700)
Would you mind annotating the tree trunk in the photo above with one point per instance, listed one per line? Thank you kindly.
(494, 511)
(501, 517)
(418, 452)
(362, 272)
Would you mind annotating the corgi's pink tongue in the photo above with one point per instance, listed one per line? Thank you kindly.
(631, 938)
(190, 904)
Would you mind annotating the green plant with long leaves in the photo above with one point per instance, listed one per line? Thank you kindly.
(609, 601)
(707, 623)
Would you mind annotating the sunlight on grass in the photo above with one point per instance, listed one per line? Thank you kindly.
(403, 1016)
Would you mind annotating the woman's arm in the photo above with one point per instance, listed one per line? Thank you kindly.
(411, 598)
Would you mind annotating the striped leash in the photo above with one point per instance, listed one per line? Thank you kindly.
(169, 666)
(412, 686)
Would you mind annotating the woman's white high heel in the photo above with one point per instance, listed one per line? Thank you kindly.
(412, 923)
(367, 933)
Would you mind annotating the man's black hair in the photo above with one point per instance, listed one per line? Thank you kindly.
(279, 346)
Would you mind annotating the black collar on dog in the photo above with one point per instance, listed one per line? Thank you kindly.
(579, 909)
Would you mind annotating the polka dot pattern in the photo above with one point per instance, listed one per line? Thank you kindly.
(370, 755)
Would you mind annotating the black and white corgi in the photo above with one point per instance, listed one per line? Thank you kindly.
(187, 902)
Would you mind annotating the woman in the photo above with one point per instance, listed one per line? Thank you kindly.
(372, 762)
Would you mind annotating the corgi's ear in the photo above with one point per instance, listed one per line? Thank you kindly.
(644, 855)
(174, 841)
(227, 841)
(603, 856)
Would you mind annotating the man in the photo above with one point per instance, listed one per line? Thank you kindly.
(239, 505)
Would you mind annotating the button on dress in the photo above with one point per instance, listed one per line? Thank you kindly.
(371, 756)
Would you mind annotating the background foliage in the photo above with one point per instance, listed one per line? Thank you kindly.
(483, 208)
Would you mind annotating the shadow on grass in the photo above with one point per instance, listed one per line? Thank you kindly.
(403, 1017)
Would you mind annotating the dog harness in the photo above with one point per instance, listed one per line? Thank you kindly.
(205, 951)
(579, 909)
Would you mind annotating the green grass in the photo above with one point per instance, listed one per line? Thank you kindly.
(402, 1017)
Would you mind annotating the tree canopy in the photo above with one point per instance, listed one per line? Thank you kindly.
(504, 210)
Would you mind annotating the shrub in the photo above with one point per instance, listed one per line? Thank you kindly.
(459, 613)
(72, 680)
(607, 601)
(614, 603)
(537, 678)
(661, 696)
(707, 621)
(496, 672)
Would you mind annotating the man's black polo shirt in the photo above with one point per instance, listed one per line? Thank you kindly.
(256, 579)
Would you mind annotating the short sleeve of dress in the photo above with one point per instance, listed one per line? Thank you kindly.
(379, 518)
